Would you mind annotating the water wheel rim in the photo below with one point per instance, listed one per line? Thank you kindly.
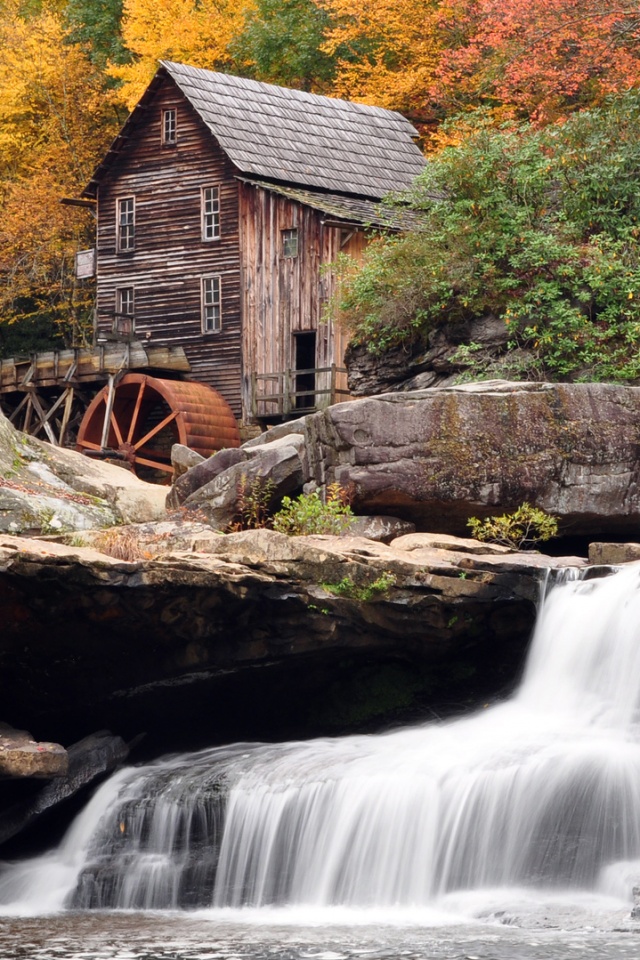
(196, 414)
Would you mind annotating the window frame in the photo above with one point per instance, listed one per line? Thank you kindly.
(216, 302)
(130, 244)
(169, 126)
(214, 213)
(288, 236)
(122, 314)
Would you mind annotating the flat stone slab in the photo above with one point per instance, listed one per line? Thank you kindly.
(21, 756)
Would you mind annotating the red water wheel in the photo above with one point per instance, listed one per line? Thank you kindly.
(140, 419)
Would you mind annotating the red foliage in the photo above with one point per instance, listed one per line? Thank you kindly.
(537, 58)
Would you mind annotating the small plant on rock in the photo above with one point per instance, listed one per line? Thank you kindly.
(348, 588)
(121, 544)
(253, 503)
(523, 529)
(308, 514)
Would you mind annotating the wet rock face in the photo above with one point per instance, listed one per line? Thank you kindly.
(90, 640)
(85, 762)
(438, 457)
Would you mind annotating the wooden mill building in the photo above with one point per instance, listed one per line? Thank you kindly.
(221, 206)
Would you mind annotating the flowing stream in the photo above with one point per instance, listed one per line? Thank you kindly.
(533, 801)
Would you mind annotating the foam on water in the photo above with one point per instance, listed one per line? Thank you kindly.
(541, 794)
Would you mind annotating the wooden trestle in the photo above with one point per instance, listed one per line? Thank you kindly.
(48, 393)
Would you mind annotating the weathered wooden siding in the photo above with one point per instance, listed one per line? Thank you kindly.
(170, 258)
(282, 296)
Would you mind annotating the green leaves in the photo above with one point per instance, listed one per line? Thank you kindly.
(538, 227)
(521, 530)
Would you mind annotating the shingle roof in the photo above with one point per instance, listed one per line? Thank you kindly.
(302, 138)
(296, 138)
(351, 210)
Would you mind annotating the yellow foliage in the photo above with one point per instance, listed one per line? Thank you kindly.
(54, 122)
(187, 31)
(389, 51)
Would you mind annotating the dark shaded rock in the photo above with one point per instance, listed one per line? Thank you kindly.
(22, 756)
(203, 473)
(441, 456)
(282, 462)
(88, 639)
(480, 342)
(89, 760)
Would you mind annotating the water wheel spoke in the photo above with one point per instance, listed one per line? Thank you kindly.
(165, 467)
(158, 427)
(116, 429)
(156, 454)
(89, 445)
(136, 411)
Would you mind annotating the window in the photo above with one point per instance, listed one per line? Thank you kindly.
(210, 213)
(211, 307)
(126, 224)
(125, 307)
(290, 243)
(169, 126)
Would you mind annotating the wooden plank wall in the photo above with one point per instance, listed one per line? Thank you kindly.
(170, 257)
(284, 295)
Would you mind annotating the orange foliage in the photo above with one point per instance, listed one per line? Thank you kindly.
(537, 58)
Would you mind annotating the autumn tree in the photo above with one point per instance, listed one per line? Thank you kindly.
(198, 32)
(386, 51)
(536, 58)
(54, 122)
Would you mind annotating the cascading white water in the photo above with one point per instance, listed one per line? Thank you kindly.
(543, 790)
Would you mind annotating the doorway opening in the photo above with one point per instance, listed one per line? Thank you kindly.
(305, 363)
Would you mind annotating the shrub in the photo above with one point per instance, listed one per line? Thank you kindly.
(522, 529)
(537, 227)
(309, 514)
(253, 503)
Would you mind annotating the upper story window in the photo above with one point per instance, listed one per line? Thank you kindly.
(210, 213)
(126, 227)
(290, 243)
(169, 126)
(211, 305)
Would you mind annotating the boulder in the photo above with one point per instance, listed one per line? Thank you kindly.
(22, 756)
(282, 463)
(89, 760)
(203, 473)
(183, 458)
(51, 490)
(380, 529)
(480, 343)
(440, 456)
(612, 554)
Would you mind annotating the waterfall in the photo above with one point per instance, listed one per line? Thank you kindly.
(540, 791)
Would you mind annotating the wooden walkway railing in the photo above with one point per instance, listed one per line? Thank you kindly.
(287, 397)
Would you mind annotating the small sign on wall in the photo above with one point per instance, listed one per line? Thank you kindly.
(85, 264)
